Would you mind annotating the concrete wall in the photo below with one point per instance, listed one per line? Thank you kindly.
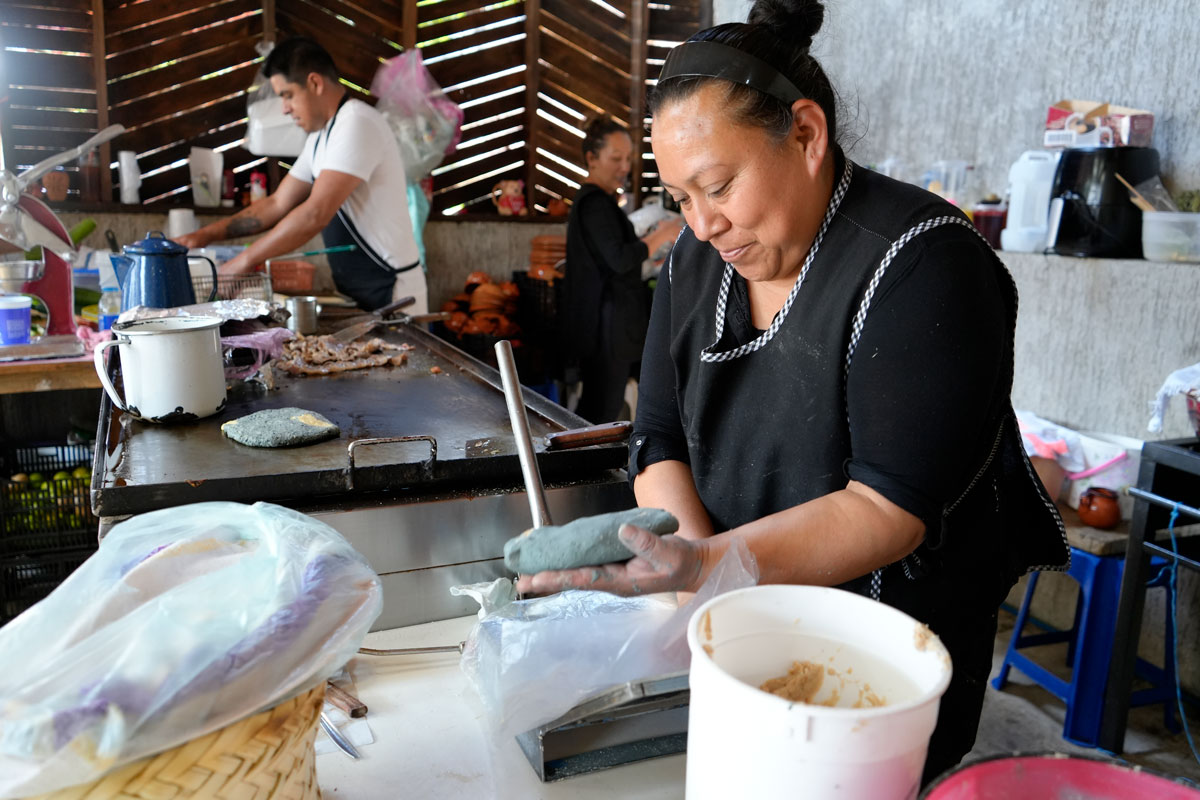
(454, 249)
(923, 80)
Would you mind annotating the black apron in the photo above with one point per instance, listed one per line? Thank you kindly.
(361, 274)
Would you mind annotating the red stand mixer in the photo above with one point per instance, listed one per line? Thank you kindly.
(25, 223)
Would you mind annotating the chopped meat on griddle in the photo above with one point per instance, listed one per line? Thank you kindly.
(324, 355)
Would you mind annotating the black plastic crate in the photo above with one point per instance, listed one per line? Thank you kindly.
(49, 515)
(24, 580)
(538, 306)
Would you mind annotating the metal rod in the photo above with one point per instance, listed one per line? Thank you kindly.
(520, 427)
(413, 651)
(1158, 500)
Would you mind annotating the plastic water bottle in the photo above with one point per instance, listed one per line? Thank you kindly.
(110, 307)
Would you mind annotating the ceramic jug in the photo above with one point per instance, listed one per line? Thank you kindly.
(154, 273)
(171, 368)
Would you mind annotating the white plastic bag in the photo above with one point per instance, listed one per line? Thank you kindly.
(184, 621)
(269, 132)
(533, 660)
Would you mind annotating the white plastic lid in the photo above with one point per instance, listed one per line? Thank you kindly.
(15, 301)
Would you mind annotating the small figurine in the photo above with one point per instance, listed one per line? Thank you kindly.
(509, 198)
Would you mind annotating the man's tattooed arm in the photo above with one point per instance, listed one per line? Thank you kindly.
(243, 226)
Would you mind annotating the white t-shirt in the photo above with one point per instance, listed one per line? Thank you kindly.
(358, 141)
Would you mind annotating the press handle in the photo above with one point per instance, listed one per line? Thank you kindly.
(98, 358)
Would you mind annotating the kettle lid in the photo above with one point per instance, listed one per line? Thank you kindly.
(155, 243)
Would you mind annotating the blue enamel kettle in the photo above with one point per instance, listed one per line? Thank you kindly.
(154, 273)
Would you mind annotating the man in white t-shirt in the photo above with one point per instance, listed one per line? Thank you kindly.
(348, 184)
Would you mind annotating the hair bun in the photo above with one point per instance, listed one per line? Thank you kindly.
(798, 20)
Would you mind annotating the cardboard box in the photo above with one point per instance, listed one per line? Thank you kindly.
(1086, 123)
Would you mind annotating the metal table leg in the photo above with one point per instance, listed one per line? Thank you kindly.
(1174, 470)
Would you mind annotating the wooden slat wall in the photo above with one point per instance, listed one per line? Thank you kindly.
(48, 79)
(176, 72)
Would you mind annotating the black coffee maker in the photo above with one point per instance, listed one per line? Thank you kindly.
(1095, 216)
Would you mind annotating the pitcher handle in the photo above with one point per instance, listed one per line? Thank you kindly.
(213, 294)
(98, 357)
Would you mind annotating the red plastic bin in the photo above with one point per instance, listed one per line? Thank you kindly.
(1054, 776)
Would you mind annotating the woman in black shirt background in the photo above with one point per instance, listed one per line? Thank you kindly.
(606, 305)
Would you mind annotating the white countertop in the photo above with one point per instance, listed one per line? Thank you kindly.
(432, 738)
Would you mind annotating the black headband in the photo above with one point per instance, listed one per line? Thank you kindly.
(715, 60)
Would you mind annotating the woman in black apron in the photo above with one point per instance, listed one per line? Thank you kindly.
(828, 367)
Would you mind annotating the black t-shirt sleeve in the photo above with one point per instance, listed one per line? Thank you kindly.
(921, 384)
(609, 235)
(658, 431)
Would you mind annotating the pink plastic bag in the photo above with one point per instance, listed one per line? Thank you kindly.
(426, 123)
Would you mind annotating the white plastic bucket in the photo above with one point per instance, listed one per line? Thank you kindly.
(744, 742)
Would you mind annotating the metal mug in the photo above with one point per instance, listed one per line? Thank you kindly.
(304, 311)
(172, 368)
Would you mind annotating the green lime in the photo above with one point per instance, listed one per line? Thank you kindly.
(36, 477)
(62, 475)
(82, 472)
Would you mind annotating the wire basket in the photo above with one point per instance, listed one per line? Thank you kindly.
(268, 756)
(253, 286)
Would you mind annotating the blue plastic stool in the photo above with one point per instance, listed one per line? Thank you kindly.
(547, 390)
(1089, 649)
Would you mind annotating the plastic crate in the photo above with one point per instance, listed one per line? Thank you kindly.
(24, 580)
(52, 516)
(291, 277)
(538, 305)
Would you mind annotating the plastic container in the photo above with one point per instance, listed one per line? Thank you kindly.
(15, 318)
(1054, 776)
(1030, 181)
(744, 742)
(988, 217)
(1171, 236)
(292, 277)
(109, 308)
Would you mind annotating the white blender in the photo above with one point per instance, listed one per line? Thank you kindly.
(25, 223)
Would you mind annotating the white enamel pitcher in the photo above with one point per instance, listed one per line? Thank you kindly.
(171, 367)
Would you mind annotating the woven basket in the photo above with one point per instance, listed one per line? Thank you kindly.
(268, 756)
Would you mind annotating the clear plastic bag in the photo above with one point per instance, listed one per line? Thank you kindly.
(533, 660)
(269, 132)
(426, 123)
(184, 621)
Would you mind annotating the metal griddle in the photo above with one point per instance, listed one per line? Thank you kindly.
(404, 430)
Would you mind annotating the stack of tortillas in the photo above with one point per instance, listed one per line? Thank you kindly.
(545, 253)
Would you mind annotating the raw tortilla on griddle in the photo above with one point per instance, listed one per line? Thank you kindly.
(280, 427)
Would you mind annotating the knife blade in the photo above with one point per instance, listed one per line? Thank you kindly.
(341, 741)
(352, 332)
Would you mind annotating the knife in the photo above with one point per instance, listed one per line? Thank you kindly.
(341, 741)
(352, 332)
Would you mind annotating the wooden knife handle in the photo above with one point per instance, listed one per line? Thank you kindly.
(595, 434)
(345, 701)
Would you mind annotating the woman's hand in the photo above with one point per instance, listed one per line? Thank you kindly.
(660, 564)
